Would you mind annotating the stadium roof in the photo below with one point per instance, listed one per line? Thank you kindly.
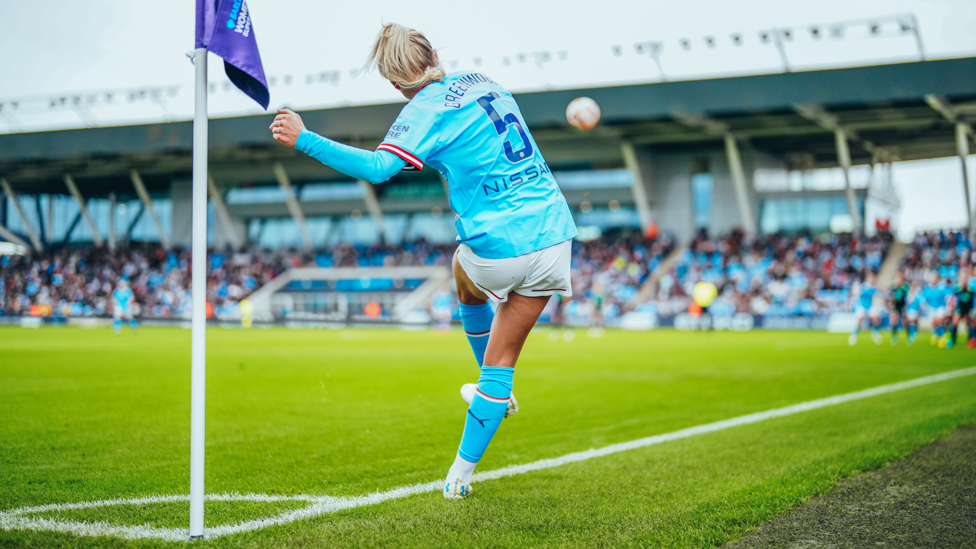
(890, 112)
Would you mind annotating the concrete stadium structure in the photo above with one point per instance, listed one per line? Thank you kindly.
(749, 134)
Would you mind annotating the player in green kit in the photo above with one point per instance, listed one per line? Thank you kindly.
(899, 300)
(963, 311)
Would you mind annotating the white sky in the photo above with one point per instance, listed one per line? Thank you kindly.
(99, 45)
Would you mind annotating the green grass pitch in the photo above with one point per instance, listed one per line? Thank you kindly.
(87, 415)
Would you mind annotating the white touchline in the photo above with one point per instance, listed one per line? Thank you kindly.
(321, 505)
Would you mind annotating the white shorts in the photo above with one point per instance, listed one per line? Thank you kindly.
(875, 311)
(120, 312)
(541, 273)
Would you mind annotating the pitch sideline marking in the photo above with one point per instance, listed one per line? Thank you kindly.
(320, 505)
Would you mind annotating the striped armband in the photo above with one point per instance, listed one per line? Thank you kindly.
(413, 163)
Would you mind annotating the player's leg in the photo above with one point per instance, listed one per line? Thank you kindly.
(476, 312)
(516, 318)
(970, 325)
(943, 319)
(132, 321)
(874, 317)
(117, 319)
(894, 320)
(858, 319)
(479, 318)
(912, 316)
(953, 329)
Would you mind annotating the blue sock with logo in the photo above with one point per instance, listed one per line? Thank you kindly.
(486, 411)
(117, 325)
(133, 325)
(912, 330)
(476, 320)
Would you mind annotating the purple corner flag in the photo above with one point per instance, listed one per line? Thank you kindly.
(224, 27)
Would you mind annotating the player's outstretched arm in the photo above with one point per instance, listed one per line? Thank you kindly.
(288, 129)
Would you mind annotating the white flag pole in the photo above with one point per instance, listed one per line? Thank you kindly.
(199, 297)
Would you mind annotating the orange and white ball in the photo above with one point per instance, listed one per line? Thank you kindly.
(583, 113)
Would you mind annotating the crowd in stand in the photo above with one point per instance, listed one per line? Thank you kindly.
(79, 282)
(771, 275)
(937, 252)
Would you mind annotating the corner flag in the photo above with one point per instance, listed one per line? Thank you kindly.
(224, 28)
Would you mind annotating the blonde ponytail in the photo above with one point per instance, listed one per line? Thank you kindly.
(405, 57)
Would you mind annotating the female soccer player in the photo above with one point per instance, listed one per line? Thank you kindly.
(514, 226)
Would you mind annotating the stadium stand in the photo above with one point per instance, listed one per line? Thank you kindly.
(942, 252)
(772, 275)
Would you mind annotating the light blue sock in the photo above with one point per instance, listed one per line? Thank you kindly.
(133, 325)
(476, 320)
(117, 325)
(940, 330)
(912, 330)
(486, 411)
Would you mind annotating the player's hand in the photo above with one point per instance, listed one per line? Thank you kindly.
(286, 127)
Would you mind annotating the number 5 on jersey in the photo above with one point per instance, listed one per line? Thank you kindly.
(501, 126)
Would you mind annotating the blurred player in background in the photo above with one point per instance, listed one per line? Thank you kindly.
(962, 300)
(702, 295)
(865, 307)
(912, 311)
(442, 309)
(900, 289)
(122, 302)
(934, 297)
(514, 226)
(247, 312)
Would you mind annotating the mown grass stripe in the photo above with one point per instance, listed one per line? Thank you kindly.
(321, 505)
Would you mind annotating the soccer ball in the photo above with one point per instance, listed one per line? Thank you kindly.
(583, 113)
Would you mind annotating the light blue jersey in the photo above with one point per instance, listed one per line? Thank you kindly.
(471, 130)
(914, 301)
(123, 297)
(866, 295)
(935, 296)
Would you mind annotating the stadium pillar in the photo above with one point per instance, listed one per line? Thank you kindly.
(9, 236)
(844, 159)
(223, 215)
(962, 147)
(73, 189)
(111, 222)
(294, 207)
(739, 182)
(31, 234)
(372, 205)
(638, 186)
(147, 205)
(50, 218)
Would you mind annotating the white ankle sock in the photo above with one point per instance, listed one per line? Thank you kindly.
(462, 468)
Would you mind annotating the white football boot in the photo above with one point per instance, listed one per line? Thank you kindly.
(467, 394)
(456, 488)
